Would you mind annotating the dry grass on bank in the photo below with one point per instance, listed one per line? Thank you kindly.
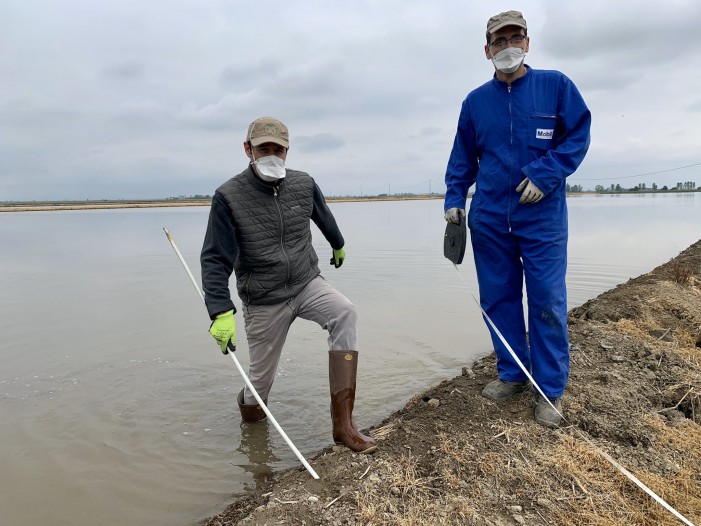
(577, 486)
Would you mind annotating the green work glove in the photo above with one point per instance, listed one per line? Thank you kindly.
(338, 257)
(223, 329)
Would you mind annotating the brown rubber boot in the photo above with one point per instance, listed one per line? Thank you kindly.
(250, 412)
(343, 368)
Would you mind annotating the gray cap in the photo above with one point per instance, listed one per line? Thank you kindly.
(267, 129)
(507, 18)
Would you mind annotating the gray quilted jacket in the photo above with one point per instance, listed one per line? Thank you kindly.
(261, 232)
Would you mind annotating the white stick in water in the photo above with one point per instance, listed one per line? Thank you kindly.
(252, 389)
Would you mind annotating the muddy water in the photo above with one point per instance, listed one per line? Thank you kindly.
(117, 408)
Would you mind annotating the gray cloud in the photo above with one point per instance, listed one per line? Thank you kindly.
(134, 99)
(319, 142)
(246, 74)
(127, 70)
(429, 131)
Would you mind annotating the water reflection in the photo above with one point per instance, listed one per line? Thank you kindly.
(256, 447)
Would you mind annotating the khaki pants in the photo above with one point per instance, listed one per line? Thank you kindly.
(267, 327)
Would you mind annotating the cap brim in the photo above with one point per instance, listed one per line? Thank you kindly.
(276, 140)
(506, 24)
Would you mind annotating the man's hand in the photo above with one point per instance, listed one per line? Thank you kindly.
(531, 193)
(223, 329)
(454, 215)
(338, 257)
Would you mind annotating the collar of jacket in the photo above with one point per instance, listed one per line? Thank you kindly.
(261, 185)
(503, 85)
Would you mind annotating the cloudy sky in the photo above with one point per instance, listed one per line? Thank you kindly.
(151, 98)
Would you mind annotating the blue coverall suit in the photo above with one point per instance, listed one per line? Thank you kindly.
(537, 128)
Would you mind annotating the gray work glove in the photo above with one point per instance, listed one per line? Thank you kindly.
(454, 215)
(531, 193)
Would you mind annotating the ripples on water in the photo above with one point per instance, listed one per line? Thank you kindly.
(117, 408)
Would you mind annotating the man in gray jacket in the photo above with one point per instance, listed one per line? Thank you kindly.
(259, 229)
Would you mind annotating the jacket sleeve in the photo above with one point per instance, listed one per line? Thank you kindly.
(574, 118)
(219, 251)
(324, 219)
(463, 164)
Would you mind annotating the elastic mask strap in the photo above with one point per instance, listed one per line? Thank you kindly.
(250, 145)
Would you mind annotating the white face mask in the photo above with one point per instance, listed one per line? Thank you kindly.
(509, 60)
(270, 168)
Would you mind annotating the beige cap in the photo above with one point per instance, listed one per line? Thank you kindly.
(267, 129)
(507, 18)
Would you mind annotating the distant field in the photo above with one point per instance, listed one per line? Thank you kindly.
(98, 205)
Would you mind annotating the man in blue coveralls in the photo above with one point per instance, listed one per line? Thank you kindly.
(518, 138)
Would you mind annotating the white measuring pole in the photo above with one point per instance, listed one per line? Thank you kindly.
(232, 353)
(615, 464)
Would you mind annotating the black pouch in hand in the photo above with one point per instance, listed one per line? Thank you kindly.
(454, 241)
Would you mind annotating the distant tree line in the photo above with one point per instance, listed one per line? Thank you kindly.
(689, 186)
(196, 196)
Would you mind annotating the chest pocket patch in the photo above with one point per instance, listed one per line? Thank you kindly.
(541, 131)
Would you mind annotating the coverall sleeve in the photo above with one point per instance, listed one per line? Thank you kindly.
(574, 125)
(463, 164)
(219, 251)
(324, 219)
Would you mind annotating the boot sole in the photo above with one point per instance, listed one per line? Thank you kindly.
(549, 424)
(367, 451)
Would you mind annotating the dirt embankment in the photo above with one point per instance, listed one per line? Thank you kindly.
(452, 457)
